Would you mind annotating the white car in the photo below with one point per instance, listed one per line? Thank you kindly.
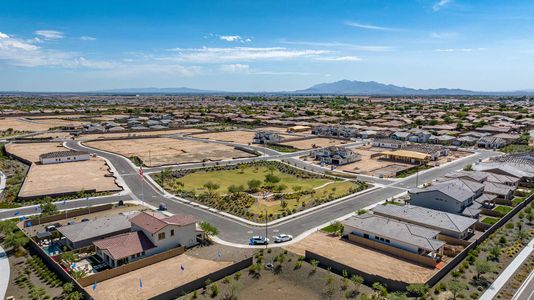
(283, 238)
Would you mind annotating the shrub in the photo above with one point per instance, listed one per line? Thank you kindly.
(298, 265)
(214, 288)
(474, 295)
(237, 275)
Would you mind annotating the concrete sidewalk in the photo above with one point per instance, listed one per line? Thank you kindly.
(4, 273)
(496, 286)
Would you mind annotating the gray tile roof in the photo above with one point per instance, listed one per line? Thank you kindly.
(421, 215)
(474, 175)
(497, 188)
(458, 189)
(95, 228)
(396, 230)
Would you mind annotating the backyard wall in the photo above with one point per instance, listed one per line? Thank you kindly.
(110, 273)
(200, 282)
(70, 214)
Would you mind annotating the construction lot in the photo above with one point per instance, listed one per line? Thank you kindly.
(31, 151)
(313, 143)
(373, 166)
(237, 136)
(156, 279)
(68, 178)
(363, 259)
(95, 136)
(31, 125)
(167, 151)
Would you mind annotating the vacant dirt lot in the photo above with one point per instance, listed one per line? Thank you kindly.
(313, 143)
(94, 136)
(31, 151)
(157, 278)
(363, 259)
(23, 124)
(69, 177)
(237, 136)
(54, 135)
(166, 151)
(371, 166)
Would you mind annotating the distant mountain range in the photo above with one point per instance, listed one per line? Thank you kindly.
(342, 87)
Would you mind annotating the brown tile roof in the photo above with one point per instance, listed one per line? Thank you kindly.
(126, 244)
(154, 222)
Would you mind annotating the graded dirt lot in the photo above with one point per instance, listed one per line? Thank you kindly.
(94, 136)
(54, 135)
(371, 166)
(364, 259)
(25, 124)
(237, 136)
(313, 143)
(71, 177)
(165, 151)
(31, 151)
(157, 278)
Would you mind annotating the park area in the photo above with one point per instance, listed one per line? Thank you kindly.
(167, 151)
(250, 190)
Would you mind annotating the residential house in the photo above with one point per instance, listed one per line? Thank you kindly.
(63, 156)
(266, 137)
(389, 143)
(335, 155)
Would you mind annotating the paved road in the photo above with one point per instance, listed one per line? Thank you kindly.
(232, 230)
(526, 291)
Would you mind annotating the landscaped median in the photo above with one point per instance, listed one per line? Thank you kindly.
(256, 190)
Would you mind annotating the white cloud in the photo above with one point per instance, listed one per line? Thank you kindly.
(87, 38)
(235, 68)
(443, 35)
(3, 35)
(440, 4)
(370, 27)
(214, 55)
(234, 38)
(340, 58)
(370, 48)
(49, 34)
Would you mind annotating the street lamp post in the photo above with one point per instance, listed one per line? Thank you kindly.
(266, 224)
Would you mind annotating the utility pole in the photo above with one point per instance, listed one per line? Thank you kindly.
(266, 224)
(417, 177)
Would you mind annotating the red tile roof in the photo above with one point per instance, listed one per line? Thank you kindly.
(154, 222)
(126, 244)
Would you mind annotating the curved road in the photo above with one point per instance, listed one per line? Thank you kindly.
(237, 232)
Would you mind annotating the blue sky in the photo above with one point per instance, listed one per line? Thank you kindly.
(265, 45)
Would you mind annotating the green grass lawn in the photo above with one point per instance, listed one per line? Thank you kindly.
(502, 209)
(490, 220)
(195, 182)
(334, 190)
(517, 200)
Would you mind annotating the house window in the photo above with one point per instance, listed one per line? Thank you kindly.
(172, 232)
(365, 235)
(161, 236)
(387, 241)
(376, 238)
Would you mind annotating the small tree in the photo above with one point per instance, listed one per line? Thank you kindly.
(48, 208)
(208, 229)
(483, 266)
(417, 289)
(380, 289)
(494, 252)
(68, 288)
(455, 286)
(357, 281)
(254, 185)
(38, 293)
(15, 240)
(75, 295)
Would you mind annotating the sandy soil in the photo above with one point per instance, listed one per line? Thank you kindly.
(157, 278)
(368, 164)
(23, 124)
(364, 259)
(309, 143)
(54, 135)
(31, 151)
(237, 136)
(165, 151)
(68, 178)
(94, 136)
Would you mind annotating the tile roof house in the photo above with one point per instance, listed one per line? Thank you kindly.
(151, 233)
(449, 224)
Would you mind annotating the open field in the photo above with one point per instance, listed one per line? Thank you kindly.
(237, 136)
(94, 136)
(23, 124)
(166, 151)
(31, 151)
(157, 278)
(69, 177)
(361, 258)
(194, 182)
(230, 189)
(313, 143)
